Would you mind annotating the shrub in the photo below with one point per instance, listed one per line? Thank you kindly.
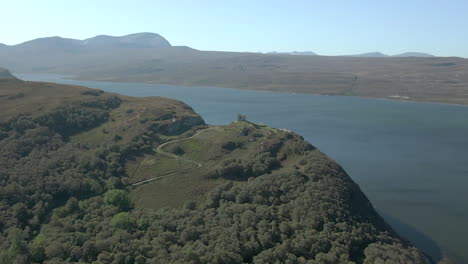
(175, 149)
(118, 198)
(93, 92)
(122, 220)
(230, 145)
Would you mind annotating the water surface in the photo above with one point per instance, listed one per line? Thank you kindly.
(411, 159)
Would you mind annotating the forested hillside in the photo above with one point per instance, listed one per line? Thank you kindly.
(85, 177)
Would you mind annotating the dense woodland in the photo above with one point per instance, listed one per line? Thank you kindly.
(64, 202)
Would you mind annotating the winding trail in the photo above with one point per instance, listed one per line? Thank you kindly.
(160, 150)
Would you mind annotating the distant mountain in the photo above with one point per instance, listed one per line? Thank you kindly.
(414, 54)
(4, 73)
(369, 55)
(149, 58)
(49, 43)
(56, 54)
(402, 55)
(304, 53)
(138, 40)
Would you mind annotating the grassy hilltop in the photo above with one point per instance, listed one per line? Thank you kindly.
(95, 177)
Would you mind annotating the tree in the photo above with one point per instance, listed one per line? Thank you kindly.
(118, 198)
(37, 248)
(122, 220)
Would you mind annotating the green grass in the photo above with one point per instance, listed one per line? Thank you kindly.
(173, 191)
(121, 123)
(193, 148)
(206, 148)
(151, 166)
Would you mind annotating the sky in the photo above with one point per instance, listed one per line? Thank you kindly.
(331, 27)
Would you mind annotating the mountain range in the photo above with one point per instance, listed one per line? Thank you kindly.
(306, 53)
(146, 40)
(138, 40)
(363, 55)
(402, 55)
(150, 58)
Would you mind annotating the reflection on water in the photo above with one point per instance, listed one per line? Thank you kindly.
(411, 159)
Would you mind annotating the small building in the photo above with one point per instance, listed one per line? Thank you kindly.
(241, 117)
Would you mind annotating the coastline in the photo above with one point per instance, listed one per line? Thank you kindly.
(248, 92)
(410, 100)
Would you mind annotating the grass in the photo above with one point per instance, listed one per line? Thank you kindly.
(151, 166)
(206, 148)
(173, 191)
(136, 116)
(36, 98)
(121, 123)
(132, 118)
(193, 148)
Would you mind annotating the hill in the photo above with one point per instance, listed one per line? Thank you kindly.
(305, 53)
(414, 54)
(370, 55)
(138, 40)
(148, 58)
(95, 177)
(402, 55)
(54, 44)
(4, 73)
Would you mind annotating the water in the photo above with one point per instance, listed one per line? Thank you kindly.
(411, 159)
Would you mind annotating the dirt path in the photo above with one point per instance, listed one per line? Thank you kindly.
(160, 150)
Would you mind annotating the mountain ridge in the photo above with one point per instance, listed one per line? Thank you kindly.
(377, 54)
(150, 39)
(4, 73)
(142, 40)
(414, 54)
(304, 53)
(146, 58)
(135, 40)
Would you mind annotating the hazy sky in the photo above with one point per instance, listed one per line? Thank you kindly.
(330, 27)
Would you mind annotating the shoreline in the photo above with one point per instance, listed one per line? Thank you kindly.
(75, 78)
(149, 86)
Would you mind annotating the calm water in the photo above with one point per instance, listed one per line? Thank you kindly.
(411, 159)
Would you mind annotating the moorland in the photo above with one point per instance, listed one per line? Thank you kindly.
(149, 58)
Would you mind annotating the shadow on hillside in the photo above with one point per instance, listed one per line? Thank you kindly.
(420, 240)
